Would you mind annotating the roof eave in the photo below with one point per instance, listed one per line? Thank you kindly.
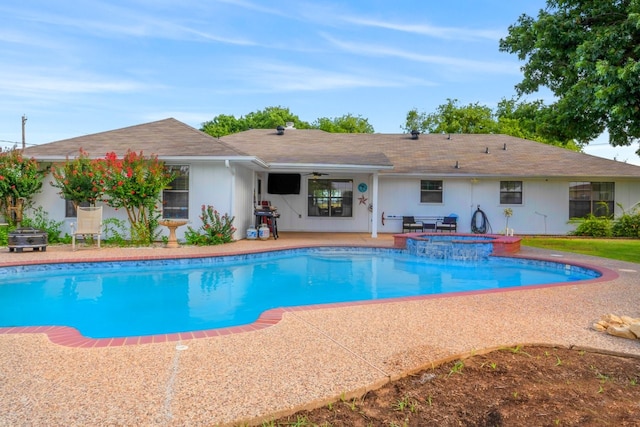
(325, 166)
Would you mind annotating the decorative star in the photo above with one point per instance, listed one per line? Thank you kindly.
(363, 200)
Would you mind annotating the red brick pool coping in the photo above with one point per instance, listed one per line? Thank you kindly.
(71, 337)
(502, 245)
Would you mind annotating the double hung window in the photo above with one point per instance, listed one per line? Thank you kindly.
(175, 198)
(510, 192)
(586, 198)
(430, 191)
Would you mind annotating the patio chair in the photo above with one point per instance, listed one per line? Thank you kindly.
(409, 223)
(449, 223)
(89, 223)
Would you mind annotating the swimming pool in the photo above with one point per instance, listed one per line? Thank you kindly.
(135, 298)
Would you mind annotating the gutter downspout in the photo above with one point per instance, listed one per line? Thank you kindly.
(374, 211)
(232, 193)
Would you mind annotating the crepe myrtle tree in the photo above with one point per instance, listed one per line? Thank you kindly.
(20, 180)
(135, 183)
(80, 180)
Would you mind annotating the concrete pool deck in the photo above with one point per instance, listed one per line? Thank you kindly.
(310, 357)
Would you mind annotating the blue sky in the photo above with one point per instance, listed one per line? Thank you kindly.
(75, 68)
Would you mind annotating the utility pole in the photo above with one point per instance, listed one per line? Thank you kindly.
(24, 122)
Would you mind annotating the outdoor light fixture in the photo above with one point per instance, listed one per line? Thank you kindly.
(280, 130)
(487, 150)
(414, 134)
(505, 147)
(457, 166)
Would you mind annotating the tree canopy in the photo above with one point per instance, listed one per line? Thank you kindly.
(529, 120)
(272, 117)
(586, 52)
(452, 118)
(344, 124)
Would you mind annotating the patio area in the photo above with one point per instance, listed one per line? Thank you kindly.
(310, 357)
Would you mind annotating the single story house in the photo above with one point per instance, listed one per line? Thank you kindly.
(326, 182)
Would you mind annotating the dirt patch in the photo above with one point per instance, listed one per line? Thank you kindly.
(509, 387)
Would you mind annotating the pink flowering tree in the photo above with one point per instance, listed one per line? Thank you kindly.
(80, 180)
(20, 180)
(135, 183)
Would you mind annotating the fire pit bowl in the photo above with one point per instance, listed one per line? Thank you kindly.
(28, 237)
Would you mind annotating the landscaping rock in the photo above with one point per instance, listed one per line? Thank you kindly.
(600, 327)
(621, 331)
(619, 326)
(634, 328)
(611, 319)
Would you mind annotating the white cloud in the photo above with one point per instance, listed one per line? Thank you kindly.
(125, 22)
(37, 81)
(447, 33)
(460, 64)
(273, 77)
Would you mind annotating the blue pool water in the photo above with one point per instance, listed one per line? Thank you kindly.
(155, 297)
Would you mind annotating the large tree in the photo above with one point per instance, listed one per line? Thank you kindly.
(269, 118)
(344, 124)
(532, 120)
(452, 118)
(586, 52)
(529, 120)
(272, 117)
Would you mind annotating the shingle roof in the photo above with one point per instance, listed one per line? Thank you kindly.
(164, 138)
(430, 154)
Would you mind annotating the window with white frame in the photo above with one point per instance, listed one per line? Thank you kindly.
(510, 192)
(175, 198)
(591, 198)
(330, 198)
(430, 191)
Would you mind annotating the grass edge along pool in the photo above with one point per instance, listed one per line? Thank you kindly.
(319, 262)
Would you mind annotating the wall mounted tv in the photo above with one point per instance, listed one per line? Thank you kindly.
(283, 183)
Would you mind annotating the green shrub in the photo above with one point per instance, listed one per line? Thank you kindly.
(115, 231)
(41, 221)
(4, 234)
(627, 225)
(216, 229)
(594, 226)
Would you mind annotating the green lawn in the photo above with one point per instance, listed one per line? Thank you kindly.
(620, 249)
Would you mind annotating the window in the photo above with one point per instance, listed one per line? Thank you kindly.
(587, 198)
(175, 197)
(430, 191)
(510, 192)
(70, 209)
(330, 197)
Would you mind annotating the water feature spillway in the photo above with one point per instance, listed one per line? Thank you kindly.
(461, 247)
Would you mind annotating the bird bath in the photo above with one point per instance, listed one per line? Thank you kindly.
(172, 225)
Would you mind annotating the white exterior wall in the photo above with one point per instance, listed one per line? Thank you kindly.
(545, 207)
(209, 184)
(244, 201)
(294, 215)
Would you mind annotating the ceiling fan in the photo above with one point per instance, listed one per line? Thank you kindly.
(316, 174)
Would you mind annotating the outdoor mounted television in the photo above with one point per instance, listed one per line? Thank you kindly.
(283, 183)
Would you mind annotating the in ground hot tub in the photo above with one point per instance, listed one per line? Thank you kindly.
(28, 237)
(457, 246)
